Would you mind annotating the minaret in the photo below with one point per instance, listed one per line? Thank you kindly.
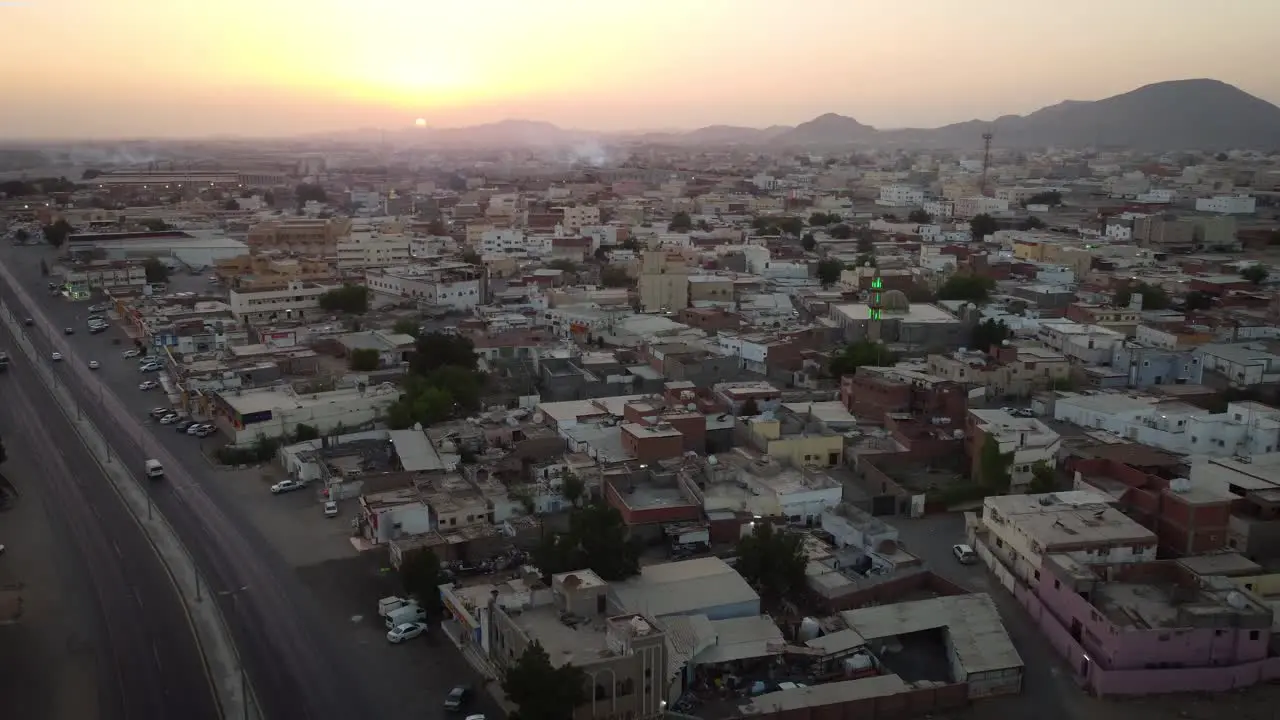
(874, 307)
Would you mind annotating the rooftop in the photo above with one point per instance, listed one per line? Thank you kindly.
(684, 588)
(917, 313)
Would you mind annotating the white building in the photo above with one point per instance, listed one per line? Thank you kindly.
(969, 207)
(373, 250)
(900, 195)
(275, 412)
(498, 242)
(1030, 441)
(1228, 204)
(940, 209)
(299, 301)
(1090, 344)
(456, 285)
(765, 182)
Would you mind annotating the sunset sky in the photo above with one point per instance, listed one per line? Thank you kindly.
(135, 68)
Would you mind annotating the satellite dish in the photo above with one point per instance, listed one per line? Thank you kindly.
(538, 417)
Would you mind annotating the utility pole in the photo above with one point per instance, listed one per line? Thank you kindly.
(986, 160)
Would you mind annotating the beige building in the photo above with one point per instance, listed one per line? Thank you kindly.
(271, 271)
(304, 236)
(623, 656)
(581, 216)
(664, 282)
(710, 288)
(373, 250)
(1016, 371)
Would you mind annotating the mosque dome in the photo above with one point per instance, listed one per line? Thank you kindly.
(895, 300)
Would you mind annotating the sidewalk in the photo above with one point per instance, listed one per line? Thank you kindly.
(475, 657)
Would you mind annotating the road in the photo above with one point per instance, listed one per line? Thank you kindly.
(294, 666)
(148, 656)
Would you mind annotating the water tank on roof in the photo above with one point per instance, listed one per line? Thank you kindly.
(1236, 600)
(855, 663)
(810, 628)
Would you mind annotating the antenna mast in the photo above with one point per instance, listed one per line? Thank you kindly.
(986, 160)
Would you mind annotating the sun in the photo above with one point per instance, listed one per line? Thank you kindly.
(420, 122)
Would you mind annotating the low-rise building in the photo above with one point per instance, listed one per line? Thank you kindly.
(1026, 442)
(298, 301)
(274, 412)
(448, 283)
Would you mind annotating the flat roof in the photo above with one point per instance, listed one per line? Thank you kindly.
(917, 313)
(740, 639)
(577, 643)
(415, 450)
(975, 632)
(823, 695)
(684, 588)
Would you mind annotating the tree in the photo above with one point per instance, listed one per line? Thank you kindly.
(353, 299)
(841, 232)
(596, 540)
(154, 224)
(1220, 157)
(90, 174)
(920, 217)
(1052, 198)
(988, 334)
(304, 433)
(269, 198)
(157, 272)
(437, 227)
(541, 690)
(57, 233)
(821, 219)
(471, 256)
(1197, 300)
(21, 235)
(563, 265)
(437, 350)
(865, 260)
(680, 222)
(405, 326)
(363, 360)
(307, 192)
(231, 204)
(1255, 274)
(808, 242)
(1031, 223)
(573, 489)
(859, 354)
(994, 467)
(983, 225)
(1154, 297)
(1043, 479)
(750, 408)
(972, 288)
(773, 561)
(829, 272)
(613, 276)
(421, 577)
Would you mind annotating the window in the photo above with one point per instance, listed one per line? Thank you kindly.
(1253, 634)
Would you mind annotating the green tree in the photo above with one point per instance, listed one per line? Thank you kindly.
(154, 224)
(790, 225)
(596, 540)
(841, 232)
(821, 219)
(1031, 223)
(829, 272)
(680, 222)
(1255, 274)
(363, 360)
(90, 174)
(988, 334)
(773, 561)
(306, 192)
(994, 467)
(1043, 479)
(436, 350)
(1154, 297)
(57, 233)
(352, 299)
(920, 217)
(573, 489)
(973, 288)
(471, 256)
(983, 225)
(865, 260)
(808, 242)
(860, 354)
(613, 276)
(421, 578)
(1197, 300)
(750, 408)
(1052, 198)
(563, 265)
(541, 690)
(304, 433)
(157, 272)
(405, 326)
(232, 205)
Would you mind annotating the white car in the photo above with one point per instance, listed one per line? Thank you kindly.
(148, 385)
(149, 368)
(331, 509)
(407, 631)
(199, 428)
(93, 365)
(170, 419)
(965, 555)
(127, 354)
(285, 486)
(56, 356)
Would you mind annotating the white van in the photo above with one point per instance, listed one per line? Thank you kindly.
(154, 469)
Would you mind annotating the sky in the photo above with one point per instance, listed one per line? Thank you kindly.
(186, 68)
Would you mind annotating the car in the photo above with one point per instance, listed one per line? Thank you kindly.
(69, 331)
(285, 486)
(183, 426)
(964, 554)
(28, 322)
(150, 368)
(148, 385)
(127, 354)
(204, 431)
(474, 717)
(170, 419)
(405, 631)
(93, 365)
(458, 697)
(198, 428)
(55, 356)
(331, 509)
(159, 412)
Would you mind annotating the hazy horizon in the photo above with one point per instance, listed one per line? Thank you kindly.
(138, 68)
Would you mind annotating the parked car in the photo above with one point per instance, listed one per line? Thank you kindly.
(131, 353)
(406, 631)
(159, 412)
(93, 365)
(196, 428)
(150, 368)
(184, 425)
(28, 322)
(285, 486)
(204, 431)
(69, 331)
(148, 385)
(331, 509)
(457, 698)
(964, 554)
(170, 419)
(55, 356)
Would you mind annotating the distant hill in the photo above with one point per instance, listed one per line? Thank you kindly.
(826, 130)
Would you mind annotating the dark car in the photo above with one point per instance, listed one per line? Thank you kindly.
(184, 426)
(28, 322)
(457, 698)
(69, 331)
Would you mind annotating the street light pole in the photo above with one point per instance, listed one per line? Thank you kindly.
(244, 677)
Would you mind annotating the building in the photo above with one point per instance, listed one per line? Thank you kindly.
(373, 250)
(300, 235)
(703, 586)
(1253, 483)
(1027, 441)
(178, 179)
(1228, 204)
(623, 655)
(193, 248)
(299, 301)
(448, 283)
(276, 412)
(969, 207)
(900, 196)
(271, 270)
(1016, 532)
(1016, 370)
(899, 322)
(1164, 234)
(664, 282)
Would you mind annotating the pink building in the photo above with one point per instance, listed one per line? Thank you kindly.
(1147, 628)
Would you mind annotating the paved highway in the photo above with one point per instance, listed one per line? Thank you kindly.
(151, 651)
(294, 666)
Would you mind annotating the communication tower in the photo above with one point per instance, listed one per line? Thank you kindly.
(986, 159)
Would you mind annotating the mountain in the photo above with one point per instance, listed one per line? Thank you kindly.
(828, 129)
(505, 133)
(1175, 115)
